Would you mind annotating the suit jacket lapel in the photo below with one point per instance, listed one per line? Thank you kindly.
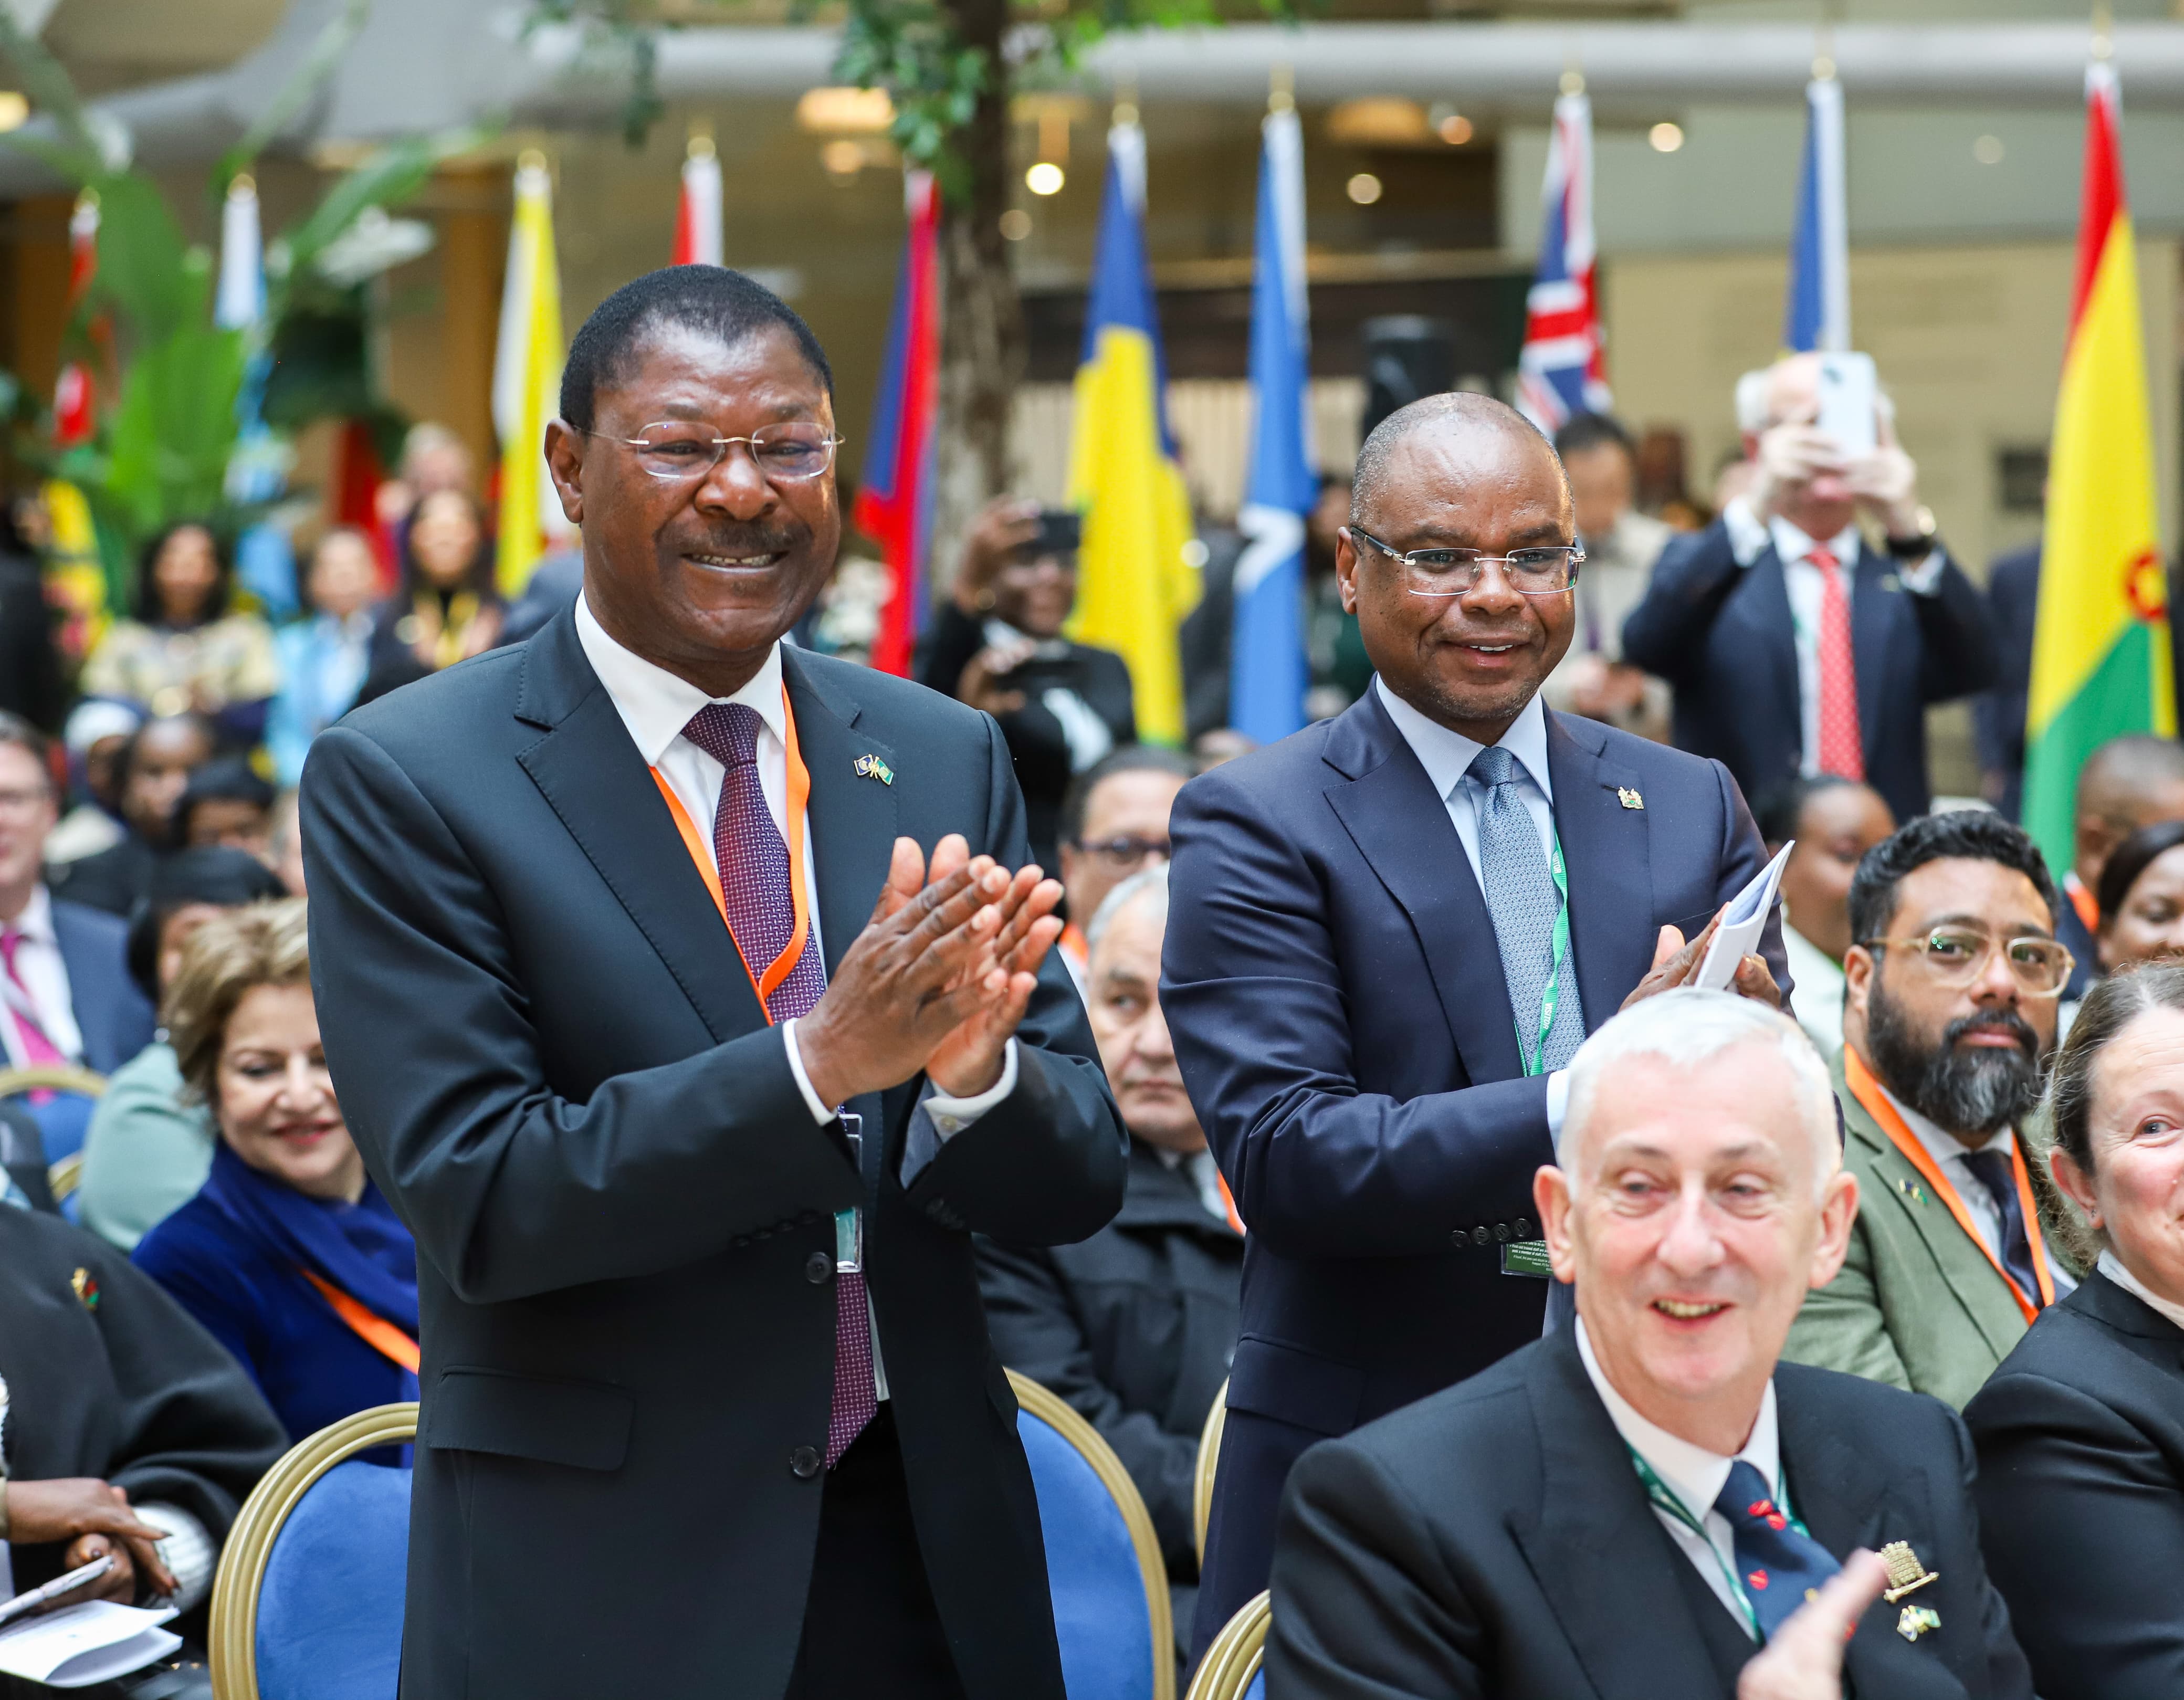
(1402, 828)
(1605, 852)
(1878, 586)
(1598, 1552)
(852, 819)
(1777, 626)
(591, 774)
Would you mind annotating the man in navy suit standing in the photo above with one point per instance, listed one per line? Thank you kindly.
(1373, 1047)
(1795, 645)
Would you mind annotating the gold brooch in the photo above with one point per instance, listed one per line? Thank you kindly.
(1906, 1574)
(1629, 798)
(871, 767)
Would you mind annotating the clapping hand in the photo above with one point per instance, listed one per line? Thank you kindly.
(1803, 1660)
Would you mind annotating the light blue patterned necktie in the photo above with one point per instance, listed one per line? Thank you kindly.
(1522, 899)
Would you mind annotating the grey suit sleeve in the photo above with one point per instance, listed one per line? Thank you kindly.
(510, 1189)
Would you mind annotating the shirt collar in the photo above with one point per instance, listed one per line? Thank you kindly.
(655, 705)
(1447, 755)
(1792, 544)
(35, 923)
(1940, 1145)
(1694, 1475)
(2112, 1266)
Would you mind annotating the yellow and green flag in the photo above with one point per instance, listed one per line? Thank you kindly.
(2101, 661)
(1134, 579)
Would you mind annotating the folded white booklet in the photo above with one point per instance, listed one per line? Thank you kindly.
(80, 1644)
(1738, 936)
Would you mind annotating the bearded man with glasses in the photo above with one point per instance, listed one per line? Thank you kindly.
(1389, 933)
(1948, 1023)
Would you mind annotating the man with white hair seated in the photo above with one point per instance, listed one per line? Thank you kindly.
(1651, 1503)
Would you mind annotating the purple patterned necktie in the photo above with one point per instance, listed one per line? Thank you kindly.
(754, 883)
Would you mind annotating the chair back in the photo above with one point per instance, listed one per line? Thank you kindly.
(62, 1119)
(1209, 1460)
(307, 1604)
(1103, 1561)
(1234, 1668)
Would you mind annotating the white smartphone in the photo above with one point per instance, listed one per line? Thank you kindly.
(1850, 402)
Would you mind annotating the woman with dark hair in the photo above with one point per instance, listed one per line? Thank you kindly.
(2080, 1429)
(446, 609)
(1833, 822)
(185, 650)
(2141, 898)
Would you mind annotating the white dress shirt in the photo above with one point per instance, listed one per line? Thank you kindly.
(1694, 1475)
(44, 975)
(2112, 1266)
(1819, 978)
(1948, 1153)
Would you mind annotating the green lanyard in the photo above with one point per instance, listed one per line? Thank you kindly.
(1664, 1498)
(1550, 995)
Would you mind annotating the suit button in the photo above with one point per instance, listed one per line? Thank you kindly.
(742, 1240)
(1458, 1237)
(817, 1268)
(804, 1464)
(1523, 1227)
(1481, 1236)
(1501, 1232)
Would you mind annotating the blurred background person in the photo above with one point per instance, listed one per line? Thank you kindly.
(151, 773)
(95, 733)
(1334, 645)
(1834, 822)
(1135, 1326)
(289, 1255)
(1750, 620)
(148, 1148)
(285, 844)
(2081, 1431)
(325, 655)
(225, 803)
(997, 645)
(1664, 481)
(2012, 596)
(447, 608)
(187, 649)
(31, 682)
(1114, 821)
(2128, 784)
(434, 458)
(1948, 1024)
(1621, 545)
(2142, 897)
(553, 586)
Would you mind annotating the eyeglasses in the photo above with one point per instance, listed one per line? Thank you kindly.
(1548, 571)
(1958, 956)
(678, 451)
(1124, 853)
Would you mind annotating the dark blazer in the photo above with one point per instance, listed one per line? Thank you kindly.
(112, 1012)
(558, 1071)
(107, 1376)
(1495, 1541)
(1337, 1002)
(2013, 597)
(2084, 948)
(2081, 1438)
(1135, 1327)
(1721, 634)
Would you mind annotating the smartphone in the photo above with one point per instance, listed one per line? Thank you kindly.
(1061, 530)
(1849, 403)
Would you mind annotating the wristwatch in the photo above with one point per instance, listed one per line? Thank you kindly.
(1919, 544)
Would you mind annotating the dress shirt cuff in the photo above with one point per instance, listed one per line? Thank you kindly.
(819, 1112)
(1748, 535)
(1924, 578)
(939, 1118)
(188, 1551)
(1557, 1102)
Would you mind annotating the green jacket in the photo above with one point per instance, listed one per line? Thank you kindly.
(1917, 1304)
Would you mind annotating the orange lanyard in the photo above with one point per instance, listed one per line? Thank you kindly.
(1867, 1090)
(376, 1331)
(800, 792)
(2088, 906)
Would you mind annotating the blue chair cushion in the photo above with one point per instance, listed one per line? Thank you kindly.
(1101, 1614)
(1256, 1689)
(63, 1121)
(330, 1612)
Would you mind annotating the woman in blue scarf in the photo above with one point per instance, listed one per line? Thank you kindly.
(289, 1256)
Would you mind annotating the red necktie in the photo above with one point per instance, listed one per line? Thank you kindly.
(753, 858)
(38, 1051)
(1842, 749)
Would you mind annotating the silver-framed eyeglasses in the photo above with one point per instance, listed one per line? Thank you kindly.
(1547, 570)
(678, 450)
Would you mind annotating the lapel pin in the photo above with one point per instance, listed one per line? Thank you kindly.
(1629, 798)
(86, 1288)
(1912, 1190)
(1916, 1621)
(871, 767)
(1906, 1574)
(1891, 582)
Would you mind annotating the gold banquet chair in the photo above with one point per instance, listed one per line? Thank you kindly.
(1234, 1668)
(1209, 1460)
(307, 1603)
(64, 1171)
(1104, 1568)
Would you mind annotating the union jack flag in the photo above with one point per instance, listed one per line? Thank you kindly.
(1561, 370)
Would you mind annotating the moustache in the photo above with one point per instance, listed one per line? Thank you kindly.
(2000, 1020)
(746, 540)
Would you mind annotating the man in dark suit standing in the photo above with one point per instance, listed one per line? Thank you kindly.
(1794, 644)
(2013, 599)
(1372, 1049)
(1647, 1504)
(709, 1405)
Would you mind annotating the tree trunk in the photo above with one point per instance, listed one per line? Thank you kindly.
(982, 334)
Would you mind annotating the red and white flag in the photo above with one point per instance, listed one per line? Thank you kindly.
(74, 396)
(1561, 370)
(698, 219)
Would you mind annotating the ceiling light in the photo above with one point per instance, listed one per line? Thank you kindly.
(1364, 188)
(853, 111)
(1015, 224)
(1987, 150)
(1666, 138)
(1045, 178)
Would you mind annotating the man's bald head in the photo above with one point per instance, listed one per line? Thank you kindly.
(2127, 784)
(1454, 414)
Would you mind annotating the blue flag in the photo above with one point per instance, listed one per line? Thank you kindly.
(1816, 306)
(1268, 671)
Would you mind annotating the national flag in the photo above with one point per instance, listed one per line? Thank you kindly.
(698, 214)
(2101, 660)
(1267, 667)
(526, 379)
(258, 463)
(1561, 370)
(894, 495)
(1816, 306)
(75, 393)
(1135, 582)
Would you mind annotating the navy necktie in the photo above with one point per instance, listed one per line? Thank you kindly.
(1994, 1171)
(1780, 1568)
